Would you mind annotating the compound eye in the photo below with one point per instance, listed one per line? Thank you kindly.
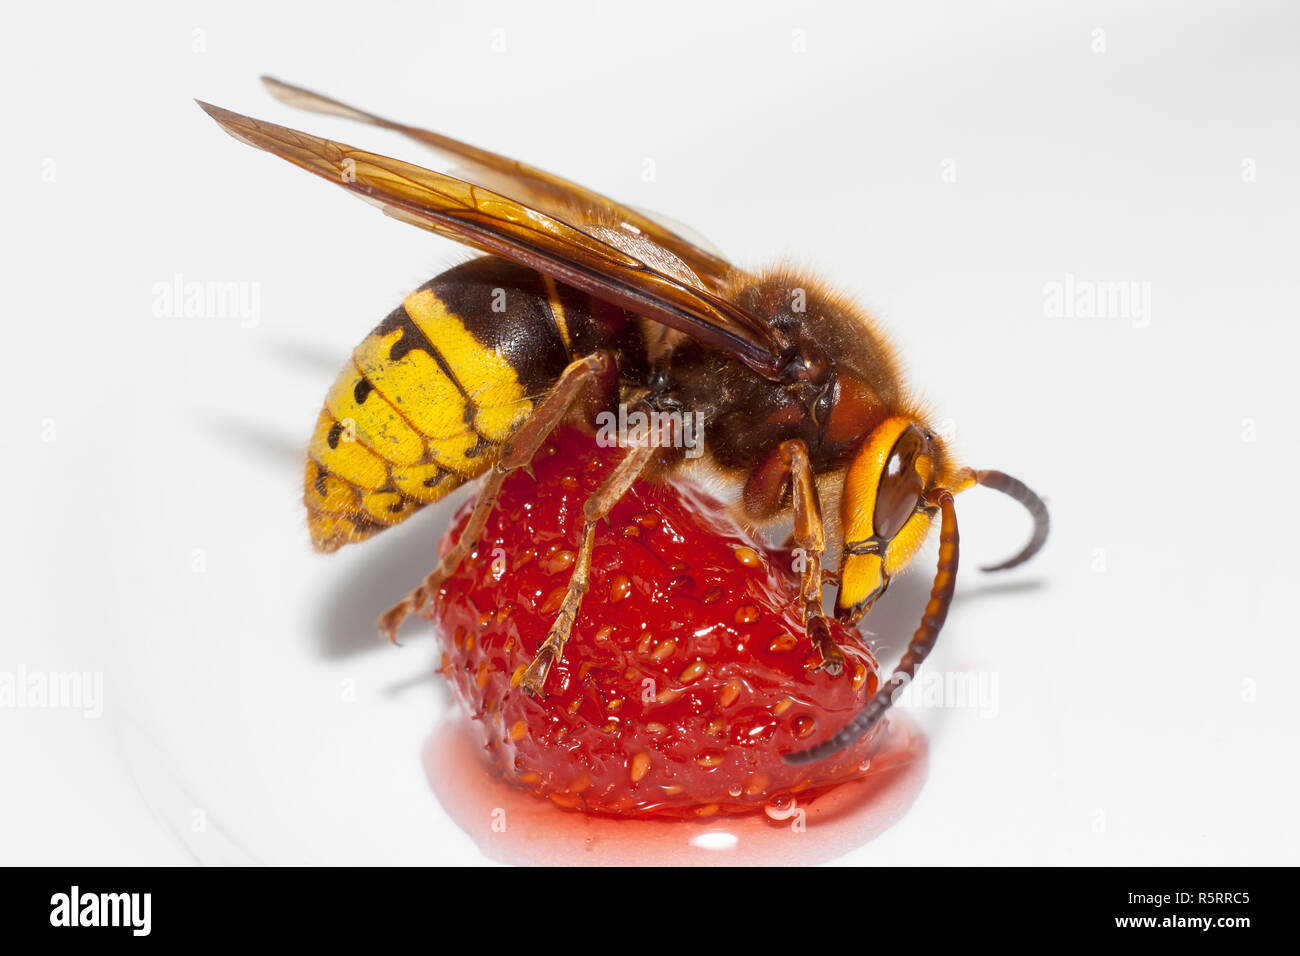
(901, 484)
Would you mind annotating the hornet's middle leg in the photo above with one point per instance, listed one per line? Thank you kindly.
(589, 379)
(597, 507)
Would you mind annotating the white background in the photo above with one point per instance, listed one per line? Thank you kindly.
(1145, 662)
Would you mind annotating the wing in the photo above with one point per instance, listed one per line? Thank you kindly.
(556, 197)
(661, 290)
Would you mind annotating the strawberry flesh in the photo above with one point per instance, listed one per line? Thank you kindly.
(687, 673)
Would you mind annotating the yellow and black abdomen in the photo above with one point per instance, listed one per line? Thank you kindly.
(434, 390)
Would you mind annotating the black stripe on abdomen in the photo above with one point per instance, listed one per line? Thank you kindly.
(504, 306)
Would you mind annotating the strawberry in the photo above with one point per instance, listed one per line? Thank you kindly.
(687, 673)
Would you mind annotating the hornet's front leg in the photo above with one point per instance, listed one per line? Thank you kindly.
(788, 464)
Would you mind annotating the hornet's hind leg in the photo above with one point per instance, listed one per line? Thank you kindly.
(591, 380)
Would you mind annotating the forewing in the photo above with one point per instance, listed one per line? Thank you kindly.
(487, 220)
(557, 197)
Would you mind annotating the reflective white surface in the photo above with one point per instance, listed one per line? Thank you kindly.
(944, 166)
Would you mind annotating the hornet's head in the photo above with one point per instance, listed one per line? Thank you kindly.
(898, 481)
(884, 509)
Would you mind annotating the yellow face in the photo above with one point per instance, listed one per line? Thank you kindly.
(884, 517)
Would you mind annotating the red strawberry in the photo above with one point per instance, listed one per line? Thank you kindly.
(687, 673)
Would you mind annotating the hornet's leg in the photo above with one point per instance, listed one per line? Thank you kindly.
(811, 538)
(597, 507)
(936, 612)
(788, 464)
(578, 381)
